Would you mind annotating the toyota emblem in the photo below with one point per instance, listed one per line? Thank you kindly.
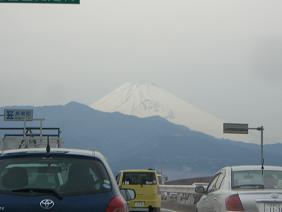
(47, 204)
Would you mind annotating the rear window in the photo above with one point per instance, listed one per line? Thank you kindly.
(65, 175)
(269, 179)
(139, 178)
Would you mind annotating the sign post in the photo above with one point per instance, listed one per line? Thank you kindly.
(22, 115)
(235, 128)
(41, 129)
(31, 136)
(19, 115)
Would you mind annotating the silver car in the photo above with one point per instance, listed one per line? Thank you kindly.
(243, 188)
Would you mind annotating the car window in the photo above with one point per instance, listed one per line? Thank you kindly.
(66, 175)
(219, 181)
(212, 185)
(256, 179)
(139, 178)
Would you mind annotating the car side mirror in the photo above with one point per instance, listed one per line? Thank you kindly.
(200, 189)
(128, 194)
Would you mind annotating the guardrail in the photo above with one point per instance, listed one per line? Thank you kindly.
(182, 194)
(177, 188)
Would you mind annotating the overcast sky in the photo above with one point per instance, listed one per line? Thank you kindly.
(224, 56)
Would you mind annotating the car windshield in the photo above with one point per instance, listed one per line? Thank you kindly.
(61, 175)
(268, 179)
(139, 178)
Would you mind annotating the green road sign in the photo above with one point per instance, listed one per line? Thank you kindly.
(42, 1)
(18, 114)
(235, 128)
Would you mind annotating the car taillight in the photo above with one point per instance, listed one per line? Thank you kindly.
(233, 203)
(117, 204)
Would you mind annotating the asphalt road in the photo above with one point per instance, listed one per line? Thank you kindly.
(171, 206)
(170, 210)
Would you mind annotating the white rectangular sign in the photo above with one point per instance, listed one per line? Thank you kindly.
(18, 114)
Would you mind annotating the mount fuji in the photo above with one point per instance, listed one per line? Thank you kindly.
(148, 99)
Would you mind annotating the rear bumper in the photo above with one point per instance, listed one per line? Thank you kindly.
(147, 204)
(138, 209)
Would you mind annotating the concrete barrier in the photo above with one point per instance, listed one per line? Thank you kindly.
(180, 194)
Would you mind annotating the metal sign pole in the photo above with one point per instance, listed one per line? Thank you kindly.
(24, 134)
(262, 158)
(41, 131)
(2, 140)
(41, 127)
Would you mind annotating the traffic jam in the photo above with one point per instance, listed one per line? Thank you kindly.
(38, 174)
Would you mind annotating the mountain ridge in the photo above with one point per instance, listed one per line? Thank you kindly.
(152, 142)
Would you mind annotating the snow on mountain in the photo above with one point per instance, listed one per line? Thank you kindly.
(145, 100)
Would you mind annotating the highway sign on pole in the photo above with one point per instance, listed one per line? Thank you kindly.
(42, 1)
(18, 115)
(235, 128)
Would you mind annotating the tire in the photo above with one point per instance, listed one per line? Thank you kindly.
(154, 209)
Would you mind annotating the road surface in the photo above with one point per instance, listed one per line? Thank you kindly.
(171, 206)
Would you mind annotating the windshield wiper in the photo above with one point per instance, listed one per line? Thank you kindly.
(39, 190)
(258, 186)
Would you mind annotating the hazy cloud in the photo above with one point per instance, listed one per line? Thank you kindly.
(268, 60)
(223, 55)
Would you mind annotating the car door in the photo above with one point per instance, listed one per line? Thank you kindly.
(206, 202)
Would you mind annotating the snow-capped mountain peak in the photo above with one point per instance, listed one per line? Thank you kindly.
(148, 99)
(137, 99)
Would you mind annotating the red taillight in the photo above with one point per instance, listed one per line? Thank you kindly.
(233, 203)
(117, 204)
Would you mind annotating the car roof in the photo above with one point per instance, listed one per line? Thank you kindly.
(254, 167)
(67, 151)
(139, 170)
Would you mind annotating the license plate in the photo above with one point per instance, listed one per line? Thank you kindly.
(272, 207)
(139, 204)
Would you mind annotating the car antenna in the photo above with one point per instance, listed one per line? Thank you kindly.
(48, 145)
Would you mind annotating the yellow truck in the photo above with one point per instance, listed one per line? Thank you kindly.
(145, 183)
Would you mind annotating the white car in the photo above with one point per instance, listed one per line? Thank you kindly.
(243, 188)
